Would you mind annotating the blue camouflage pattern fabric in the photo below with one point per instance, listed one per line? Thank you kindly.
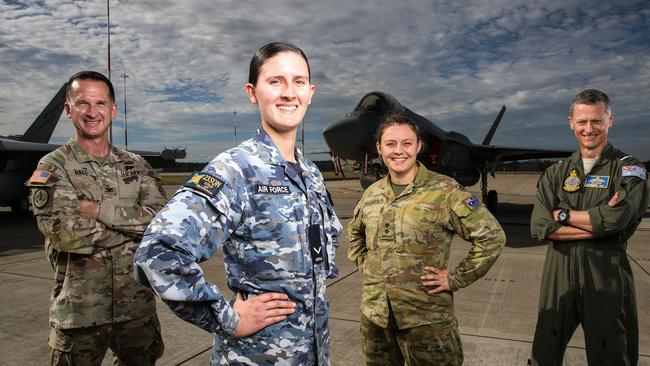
(250, 204)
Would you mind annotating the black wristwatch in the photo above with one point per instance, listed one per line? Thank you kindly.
(563, 217)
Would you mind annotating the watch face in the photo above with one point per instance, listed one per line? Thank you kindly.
(562, 215)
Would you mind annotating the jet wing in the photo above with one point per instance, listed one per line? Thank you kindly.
(501, 153)
(10, 147)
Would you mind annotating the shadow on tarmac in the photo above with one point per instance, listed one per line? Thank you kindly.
(19, 233)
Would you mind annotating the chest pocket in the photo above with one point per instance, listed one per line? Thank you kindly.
(421, 227)
(372, 213)
(274, 240)
(85, 182)
(128, 182)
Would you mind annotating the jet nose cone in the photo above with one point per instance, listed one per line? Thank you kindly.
(351, 136)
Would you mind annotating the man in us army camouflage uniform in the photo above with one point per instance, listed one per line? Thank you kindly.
(400, 238)
(92, 202)
(266, 206)
(588, 206)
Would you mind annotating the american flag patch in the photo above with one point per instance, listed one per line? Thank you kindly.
(40, 177)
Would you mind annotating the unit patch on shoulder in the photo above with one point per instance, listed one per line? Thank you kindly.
(40, 198)
(39, 177)
(635, 171)
(597, 181)
(572, 182)
(471, 202)
(204, 182)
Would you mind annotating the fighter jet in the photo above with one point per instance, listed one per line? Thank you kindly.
(448, 152)
(19, 154)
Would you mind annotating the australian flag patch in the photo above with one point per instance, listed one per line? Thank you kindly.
(471, 202)
(634, 171)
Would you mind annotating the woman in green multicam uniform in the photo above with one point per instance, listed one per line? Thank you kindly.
(400, 238)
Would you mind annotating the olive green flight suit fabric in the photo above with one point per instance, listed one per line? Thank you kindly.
(93, 259)
(393, 238)
(589, 282)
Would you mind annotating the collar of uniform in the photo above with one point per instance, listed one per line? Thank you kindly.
(422, 176)
(385, 189)
(576, 158)
(83, 157)
(269, 152)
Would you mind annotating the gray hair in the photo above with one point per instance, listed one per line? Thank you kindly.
(592, 97)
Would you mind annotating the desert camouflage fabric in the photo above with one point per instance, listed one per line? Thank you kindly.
(134, 343)
(393, 238)
(93, 259)
(250, 204)
(437, 344)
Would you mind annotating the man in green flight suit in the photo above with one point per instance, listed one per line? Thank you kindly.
(92, 202)
(588, 206)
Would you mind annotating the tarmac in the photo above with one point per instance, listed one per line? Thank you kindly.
(496, 314)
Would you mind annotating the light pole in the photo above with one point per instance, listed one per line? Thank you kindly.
(126, 136)
(234, 124)
(108, 23)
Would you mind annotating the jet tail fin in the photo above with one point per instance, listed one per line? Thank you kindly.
(495, 124)
(43, 126)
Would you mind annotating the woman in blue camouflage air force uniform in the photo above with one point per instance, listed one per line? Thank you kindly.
(267, 207)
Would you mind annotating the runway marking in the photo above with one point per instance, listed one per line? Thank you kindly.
(342, 278)
(344, 319)
(489, 305)
(195, 356)
(637, 263)
(25, 275)
(485, 336)
(22, 261)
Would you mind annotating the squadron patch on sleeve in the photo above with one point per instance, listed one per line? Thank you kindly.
(635, 171)
(204, 182)
(471, 202)
(40, 198)
(39, 177)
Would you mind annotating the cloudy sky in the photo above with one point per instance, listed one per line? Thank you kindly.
(454, 62)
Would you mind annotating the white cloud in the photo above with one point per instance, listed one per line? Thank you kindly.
(455, 62)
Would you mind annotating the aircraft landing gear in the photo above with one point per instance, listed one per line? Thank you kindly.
(492, 200)
(20, 206)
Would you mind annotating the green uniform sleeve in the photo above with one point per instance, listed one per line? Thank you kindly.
(57, 212)
(357, 236)
(125, 216)
(630, 206)
(478, 226)
(542, 223)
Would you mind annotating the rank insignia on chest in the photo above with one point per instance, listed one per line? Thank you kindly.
(39, 177)
(471, 202)
(572, 182)
(204, 182)
(597, 181)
